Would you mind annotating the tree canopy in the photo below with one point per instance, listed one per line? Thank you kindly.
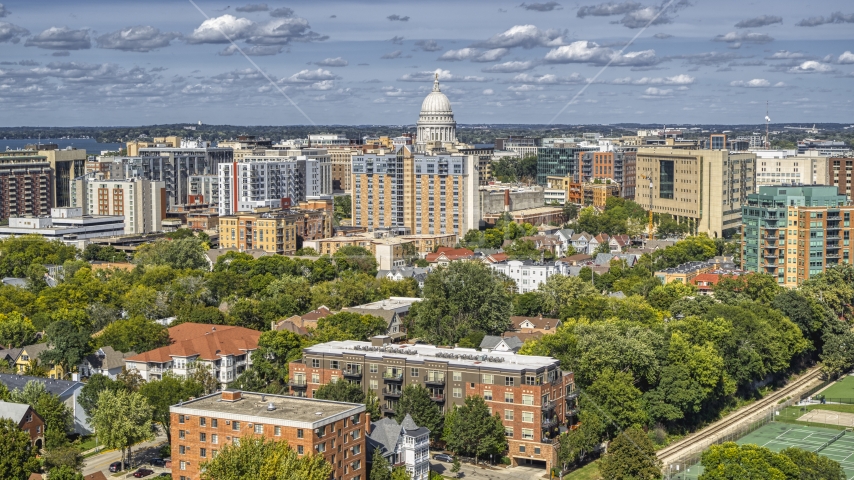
(256, 458)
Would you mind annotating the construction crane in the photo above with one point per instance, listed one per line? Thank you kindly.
(650, 203)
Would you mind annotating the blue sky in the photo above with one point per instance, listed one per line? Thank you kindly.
(121, 62)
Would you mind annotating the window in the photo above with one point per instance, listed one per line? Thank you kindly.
(374, 384)
(182, 449)
(183, 465)
(508, 431)
(203, 452)
(508, 397)
(528, 417)
(458, 392)
(508, 414)
(300, 433)
(413, 372)
(300, 449)
(373, 368)
(214, 423)
(536, 450)
(486, 378)
(527, 399)
(509, 381)
(236, 441)
(315, 363)
(203, 421)
(214, 439)
(527, 434)
(235, 425)
(334, 364)
(521, 449)
(180, 419)
(277, 431)
(487, 394)
(458, 376)
(315, 378)
(203, 437)
(181, 434)
(259, 429)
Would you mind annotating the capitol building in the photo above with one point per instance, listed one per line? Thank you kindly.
(436, 124)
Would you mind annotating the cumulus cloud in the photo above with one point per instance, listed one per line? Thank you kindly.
(283, 12)
(755, 83)
(590, 52)
(541, 7)
(811, 66)
(392, 55)
(511, 67)
(760, 21)
(61, 38)
(61, 53)
(3, 11)
(681, 79)
(786, 55)
(836, 17)
(310, 76)
(525, 36)
(444, 76)
(475, 54)
(662, 36)
(524, 88)
(12, 33)
(653, 92)
(488, 91)
(428, 45)
(253, 7)
(136, 39)
(252, 51)
(333, 62)
(549, 79)
(397, 40)
(397, 18)
(744, 37)
(608, 9)
(846, 58)
(644, 16)
(280, 31)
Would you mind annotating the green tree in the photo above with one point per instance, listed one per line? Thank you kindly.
(18, 253)
(357, 326)
(400, 473)
(88, 398)
(341, 391)
(170, 390)
(465, 296)
(615, 394)
(135, 334)
(416, 402)
(70, 344)
(574, 445)
(814, 466)
(355, 259)
(57, 417)
(630, 455)
(372, 405)
(559, 290)
(67, 457)
(256, 458)
(179, 254)
(16, 330)
(746, 462)
(276, 349)
(522, 250)
(472, 431)
(17, 457)
(64, 473)
(122, 420)
(380, 468)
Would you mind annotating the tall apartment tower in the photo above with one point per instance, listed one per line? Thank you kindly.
(26, 184)
(418, 194)
(795, 232)
(707, 187)
(142, 202)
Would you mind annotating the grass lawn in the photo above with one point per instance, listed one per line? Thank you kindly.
(791, 414)
(587, 472)
(87, 442)
(844, 388)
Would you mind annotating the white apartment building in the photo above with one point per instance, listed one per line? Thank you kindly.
(273, 180)
(778, 167)
(328, 140)
(528, 275)
(405, 444)
(203, 189)
(141, 202)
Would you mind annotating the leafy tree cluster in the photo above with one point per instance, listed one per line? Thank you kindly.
(752, 462)
(343, 205)
(495, 237)
(255, 458)
(515, 169)
(620, 217)
(103, 253)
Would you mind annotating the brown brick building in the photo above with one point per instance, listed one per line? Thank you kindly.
(27, 419)
(282, 231)
(531, 394)
(840, 175)
(26, 184)
(202, 427)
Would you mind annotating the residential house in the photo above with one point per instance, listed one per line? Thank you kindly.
(565, 236)
(403, 445)
(593, 245)
(528, 275)
(392, 309)
(494, 343)
(223, 349)
(301, 323)
(31, 354)
(618, 243)
(631, 259)
(443, 256)
(581, 242)
(105, 361)
(494, 258)
(9, 355)
(67, 391)
(27, 419)
(577, 259)
(399, 273)
(547, 243)
(534, 324)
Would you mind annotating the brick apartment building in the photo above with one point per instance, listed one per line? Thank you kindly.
(531, 394)
(26, 184)
(202, 427)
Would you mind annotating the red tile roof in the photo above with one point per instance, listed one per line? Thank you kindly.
(710, 278)
(451, 254)
(318, 313)
(209, 342)
(538, 322)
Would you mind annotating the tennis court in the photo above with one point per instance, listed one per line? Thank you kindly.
(832, 443)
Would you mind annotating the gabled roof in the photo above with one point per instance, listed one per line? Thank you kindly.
(208, 342)
(385, 433)
(582, 236)
(573, 259)
(622, 240)
(605, 258)
(566, 232)
(602, 237)
(34, 350)
(538, 322)
(111, 359)
(318, 313)
(10, 353)
(14, 411)
(405, 272)
(291, 327)
(496, 257)
(56, 387)
(493, 341)
(451, 254)
(388, 315)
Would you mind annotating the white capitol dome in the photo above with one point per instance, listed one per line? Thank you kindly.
(436, 121)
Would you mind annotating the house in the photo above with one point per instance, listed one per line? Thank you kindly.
(598, 240)
(399, 273)
(27, 419)
(619, 242)
(15, 282)
(405, 444)
(550, 243)
(528, 275)
(534, 324)
(605, 259)
(392, 309)
(30, 355)
(303, 322)
(223, 349)
(581, 242)
(494, 258)
(445, 255)
(705, 282)
(106, 361)
(577, 259)
(9, 355)
(494, 343)
(66, 390)
(565, 236)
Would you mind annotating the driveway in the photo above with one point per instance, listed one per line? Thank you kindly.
(471, 472)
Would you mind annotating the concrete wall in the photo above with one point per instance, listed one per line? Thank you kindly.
(493, 201)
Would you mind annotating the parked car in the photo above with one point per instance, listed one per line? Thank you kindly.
(443, 457)
(142, 472)
(158, 462)
(165, 474)
(116, 467)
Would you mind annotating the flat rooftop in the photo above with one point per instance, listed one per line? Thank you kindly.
(253, 407)
(391, 303)
(463, 357)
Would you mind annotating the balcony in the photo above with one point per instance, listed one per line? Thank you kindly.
(571, 412)
(834, 217)
(571, 396)
(392, 393)
(548, 406)
(832, 255)
(770, 255)
(547, 440)
(298, 384)
(834, 246)
(549, 424)
(392, 377)
(388, 410)
(832, 237)
(355, 374)
(434, 380)
(438, 398)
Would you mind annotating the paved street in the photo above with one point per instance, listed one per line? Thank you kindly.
(141, 454)
(470, 472)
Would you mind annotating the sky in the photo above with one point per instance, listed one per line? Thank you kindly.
(122, 62)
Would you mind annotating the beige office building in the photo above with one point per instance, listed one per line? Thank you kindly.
(707, 187)
(141, 202)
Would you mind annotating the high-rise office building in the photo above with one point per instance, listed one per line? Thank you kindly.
(840, 170)
(560, 159)
(141, 202)
(705, 187)
(795, 232)
(778, 167)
